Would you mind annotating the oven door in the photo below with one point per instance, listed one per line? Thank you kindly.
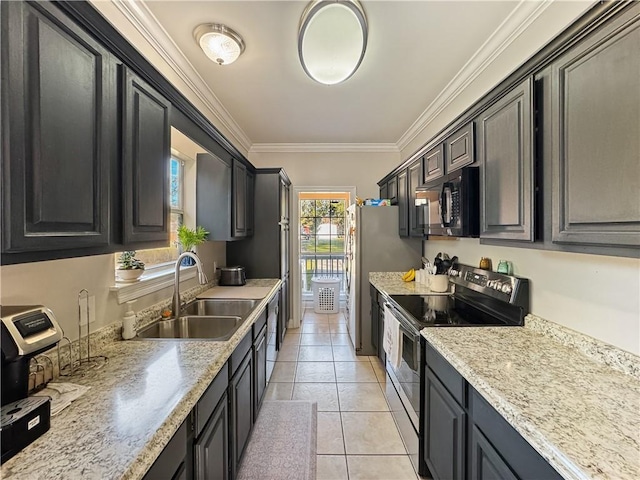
(406, 377)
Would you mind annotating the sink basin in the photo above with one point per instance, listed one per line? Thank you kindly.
(210, 319)
(210, 327)
(240, 308)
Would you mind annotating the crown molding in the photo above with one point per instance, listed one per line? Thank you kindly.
(324, 148)
(522, 16)
(139, 15)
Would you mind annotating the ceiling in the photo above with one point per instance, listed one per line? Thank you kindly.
(415, 49)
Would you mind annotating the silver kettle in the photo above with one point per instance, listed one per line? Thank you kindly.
(232, 276)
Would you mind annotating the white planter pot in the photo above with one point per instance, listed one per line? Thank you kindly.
(129, 275)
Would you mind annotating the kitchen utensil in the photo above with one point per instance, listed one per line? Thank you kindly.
(438, 264)
(232, 276)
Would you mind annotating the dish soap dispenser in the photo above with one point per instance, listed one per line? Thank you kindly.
(129, 322)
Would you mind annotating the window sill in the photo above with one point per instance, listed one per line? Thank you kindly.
(153, 280)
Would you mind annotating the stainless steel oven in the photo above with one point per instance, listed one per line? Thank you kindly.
(480, 298)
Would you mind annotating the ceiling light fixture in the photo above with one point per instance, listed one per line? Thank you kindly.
(219, 42)
(332, 39)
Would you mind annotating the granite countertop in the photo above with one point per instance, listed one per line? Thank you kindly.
(391, 283)
(137, 401)
(580, 414)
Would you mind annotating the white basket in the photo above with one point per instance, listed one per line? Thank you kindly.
(325, 295)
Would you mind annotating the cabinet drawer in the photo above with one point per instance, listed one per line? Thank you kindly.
(525, 462)
(210, 398)
(239, 353)
(260, 323)
(171, 458)
(447, 375)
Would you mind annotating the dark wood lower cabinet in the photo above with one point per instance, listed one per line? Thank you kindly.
(241, 413)
(259, 370)
(486, 462)
(211, 450)
(171, 463)
(445, 431)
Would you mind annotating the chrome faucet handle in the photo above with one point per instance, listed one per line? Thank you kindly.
(202, 278)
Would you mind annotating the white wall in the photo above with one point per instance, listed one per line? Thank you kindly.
(359, 169)
(593, 294)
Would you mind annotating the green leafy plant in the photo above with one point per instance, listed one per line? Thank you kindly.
(189, 237)
(128, 261)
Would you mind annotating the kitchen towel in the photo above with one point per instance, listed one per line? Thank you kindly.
(62, 394)
(391, 343)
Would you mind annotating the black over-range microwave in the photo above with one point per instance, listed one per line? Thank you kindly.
(450, 206)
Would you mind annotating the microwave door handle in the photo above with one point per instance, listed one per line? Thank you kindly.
(447, 199)
(443, 206)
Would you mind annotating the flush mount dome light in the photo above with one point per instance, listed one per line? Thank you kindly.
(332, 39)
(219, 42)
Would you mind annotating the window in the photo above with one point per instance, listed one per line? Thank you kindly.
(322, 223)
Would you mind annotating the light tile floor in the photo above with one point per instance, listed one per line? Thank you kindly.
(357, 437)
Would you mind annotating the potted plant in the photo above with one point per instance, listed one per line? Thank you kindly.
(130, 268)
(190, 238)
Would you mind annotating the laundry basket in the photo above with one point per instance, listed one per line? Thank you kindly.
(325, 294)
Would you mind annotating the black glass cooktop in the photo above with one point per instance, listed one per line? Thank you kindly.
(445, 310)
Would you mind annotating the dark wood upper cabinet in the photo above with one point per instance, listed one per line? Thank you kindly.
(505, 153)
(384, 191)
(433, 164)
(403, 203)
(58, 97)
(146, 137)
(239, 199)
(250, 206)
(459, 148)
(392, 190)
(415, 180)
(596, 125)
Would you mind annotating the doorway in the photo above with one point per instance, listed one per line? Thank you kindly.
(318, 229)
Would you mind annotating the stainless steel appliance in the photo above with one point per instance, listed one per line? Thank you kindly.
(480, 298)
(372, 244)
(26, 331)
(272, 333)
(232, 276)
(449, 206)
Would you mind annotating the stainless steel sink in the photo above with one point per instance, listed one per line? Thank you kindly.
(240, 308)
(210, 319)
(210, 327)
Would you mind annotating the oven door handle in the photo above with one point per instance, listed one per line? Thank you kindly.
(405, 325)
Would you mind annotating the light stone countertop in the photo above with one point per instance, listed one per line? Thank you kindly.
(581, 415)
(135, 405)
(391, 283)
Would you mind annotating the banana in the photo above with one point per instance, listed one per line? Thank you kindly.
(409, 276)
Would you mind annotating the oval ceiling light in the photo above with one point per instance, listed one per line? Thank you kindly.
(219, 42)
(332, 39)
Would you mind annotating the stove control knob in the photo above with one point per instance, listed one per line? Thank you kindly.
(497, 285)
(506, 288)
(490, 283)
(454, 273)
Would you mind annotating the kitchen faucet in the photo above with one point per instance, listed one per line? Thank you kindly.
(202, 278)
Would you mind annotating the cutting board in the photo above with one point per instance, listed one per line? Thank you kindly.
(244, 292)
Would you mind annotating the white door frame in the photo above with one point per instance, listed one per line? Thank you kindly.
(297, 307)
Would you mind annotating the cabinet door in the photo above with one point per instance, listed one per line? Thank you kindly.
(145, 164)
(260, 371)
(211, 450)
(283, 312)
(486, 463)
(403, 204)
(214, 196)
(58, 135)
(171, 461)
(505, 150)
(596, 152)
(415, 179)
(241, 399)
(239, 199)
(460, 148)
(384, 191)
(392, 190)
(375, 314)
(251, 183)
(444, 445)
(433, 164)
